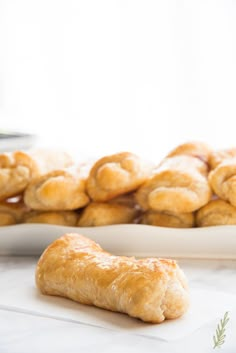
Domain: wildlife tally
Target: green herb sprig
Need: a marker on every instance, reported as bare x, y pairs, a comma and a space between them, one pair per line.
219, 337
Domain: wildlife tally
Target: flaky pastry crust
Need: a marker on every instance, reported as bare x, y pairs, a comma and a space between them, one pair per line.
57, 191
115, 175
118, 211
77, 268
178, 185
194, 149
217, 157
216, 212
222, 179
18, 168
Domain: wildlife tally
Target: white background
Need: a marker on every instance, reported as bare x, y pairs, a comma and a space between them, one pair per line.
105, 76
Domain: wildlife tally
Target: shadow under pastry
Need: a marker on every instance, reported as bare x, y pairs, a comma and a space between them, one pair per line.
63, 218
167, 219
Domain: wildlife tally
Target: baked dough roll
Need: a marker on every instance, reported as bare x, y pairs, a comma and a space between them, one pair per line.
178, 185
77, 268
59, 190
115, 175
218, 157
167, 219
216, 212
18, 168
66, 218
121, 210
12, 212
222, 179
194, 149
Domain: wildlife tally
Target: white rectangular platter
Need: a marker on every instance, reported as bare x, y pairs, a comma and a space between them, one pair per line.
131, 240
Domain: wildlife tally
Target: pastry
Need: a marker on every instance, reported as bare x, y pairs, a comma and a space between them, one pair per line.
199, 150
63, 218
117, 211
58, 190
115, 175
12, 211
222, 179
167, 219
18, 168
218, 157
77, 268
216, 212
178, 185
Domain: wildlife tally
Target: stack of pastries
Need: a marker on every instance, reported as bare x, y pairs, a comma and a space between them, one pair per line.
193, 186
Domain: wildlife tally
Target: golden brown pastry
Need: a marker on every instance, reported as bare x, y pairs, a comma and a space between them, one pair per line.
18, 168
194, 149
12, 212
167, 219
115, 175
77, 268
121, 210
218, 157
178, 185
63, 218
222, 179
58, 190
216, 212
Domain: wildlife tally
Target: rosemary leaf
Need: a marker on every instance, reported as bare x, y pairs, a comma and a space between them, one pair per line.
219, 337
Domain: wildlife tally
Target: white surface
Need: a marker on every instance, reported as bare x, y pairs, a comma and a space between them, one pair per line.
109, 75
32, 332
205, 307
131, 240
